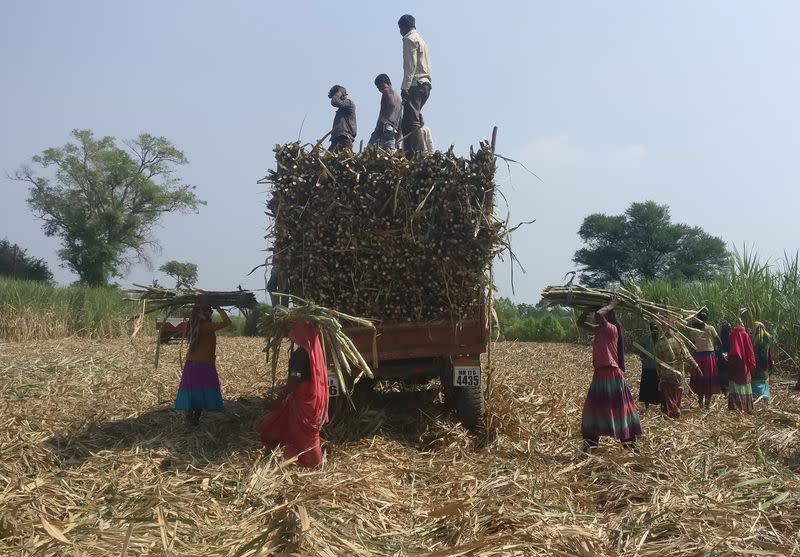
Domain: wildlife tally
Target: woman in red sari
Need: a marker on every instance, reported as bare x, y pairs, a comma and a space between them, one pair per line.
295, 424
741, 363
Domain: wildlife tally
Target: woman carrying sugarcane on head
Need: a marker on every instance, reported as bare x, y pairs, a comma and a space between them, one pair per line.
648, 386
705, 377
609, 408
303, 406
741, 363
199, 389
765, 361
722, 355
673, 360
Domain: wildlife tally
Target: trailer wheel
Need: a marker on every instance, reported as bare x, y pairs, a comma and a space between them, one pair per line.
470, 405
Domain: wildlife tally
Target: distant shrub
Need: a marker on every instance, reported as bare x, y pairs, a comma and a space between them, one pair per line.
549, 329
254, 317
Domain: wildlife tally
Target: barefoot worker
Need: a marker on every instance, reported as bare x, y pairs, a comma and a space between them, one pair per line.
705, 377
765, 361
673, 361
722, 356
303, 407
741, 362
648, 386
609, 408
199, 389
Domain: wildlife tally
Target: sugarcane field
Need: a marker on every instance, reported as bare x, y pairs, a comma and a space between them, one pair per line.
549, 305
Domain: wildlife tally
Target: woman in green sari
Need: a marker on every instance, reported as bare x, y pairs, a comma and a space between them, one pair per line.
762, 346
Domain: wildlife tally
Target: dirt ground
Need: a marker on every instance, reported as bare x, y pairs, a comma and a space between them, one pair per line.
93, 461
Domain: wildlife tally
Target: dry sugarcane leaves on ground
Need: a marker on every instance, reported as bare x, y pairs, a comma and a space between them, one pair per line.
378, 235
93, 460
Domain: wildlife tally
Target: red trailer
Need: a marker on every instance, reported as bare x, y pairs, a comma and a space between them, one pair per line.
419, 351
174, 327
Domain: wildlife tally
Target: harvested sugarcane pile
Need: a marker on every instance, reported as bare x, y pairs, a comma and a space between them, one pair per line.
155, 299
583, 298
375, 234
340, 350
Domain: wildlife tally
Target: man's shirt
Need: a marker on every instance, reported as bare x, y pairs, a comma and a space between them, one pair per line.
416, 60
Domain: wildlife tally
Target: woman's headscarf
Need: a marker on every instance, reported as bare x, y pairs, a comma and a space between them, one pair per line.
762, 341
742, 347
314, 407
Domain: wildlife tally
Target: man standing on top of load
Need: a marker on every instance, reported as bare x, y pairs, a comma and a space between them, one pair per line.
389, 117
344, 123
416, 86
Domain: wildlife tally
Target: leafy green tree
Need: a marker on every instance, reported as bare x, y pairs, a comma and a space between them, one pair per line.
527, 310
15, 262
549, 329
507, 314
644, 243
184, 274
104, 201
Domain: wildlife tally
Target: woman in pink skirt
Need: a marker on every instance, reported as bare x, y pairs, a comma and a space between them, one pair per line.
609, 409
705, 378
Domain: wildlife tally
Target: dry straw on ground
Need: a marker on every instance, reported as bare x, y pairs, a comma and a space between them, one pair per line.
94, 462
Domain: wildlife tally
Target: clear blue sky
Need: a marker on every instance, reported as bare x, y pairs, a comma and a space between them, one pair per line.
693, 104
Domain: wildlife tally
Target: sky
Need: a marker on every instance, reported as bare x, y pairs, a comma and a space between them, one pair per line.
691, 104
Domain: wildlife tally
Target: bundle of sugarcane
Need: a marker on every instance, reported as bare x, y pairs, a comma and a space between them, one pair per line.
155, 299
376, 234
584, 298
339, 348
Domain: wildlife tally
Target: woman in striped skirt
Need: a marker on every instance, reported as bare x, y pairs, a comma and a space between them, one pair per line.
609, 408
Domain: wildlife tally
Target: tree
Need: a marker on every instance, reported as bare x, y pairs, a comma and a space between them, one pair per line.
16, 263
185, 274
104, 201
644, 243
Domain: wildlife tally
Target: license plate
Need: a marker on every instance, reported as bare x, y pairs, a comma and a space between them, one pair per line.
467, 376
333, 386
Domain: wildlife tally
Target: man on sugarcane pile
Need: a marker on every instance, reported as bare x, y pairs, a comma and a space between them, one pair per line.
416, 86
344, 122
386, 129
